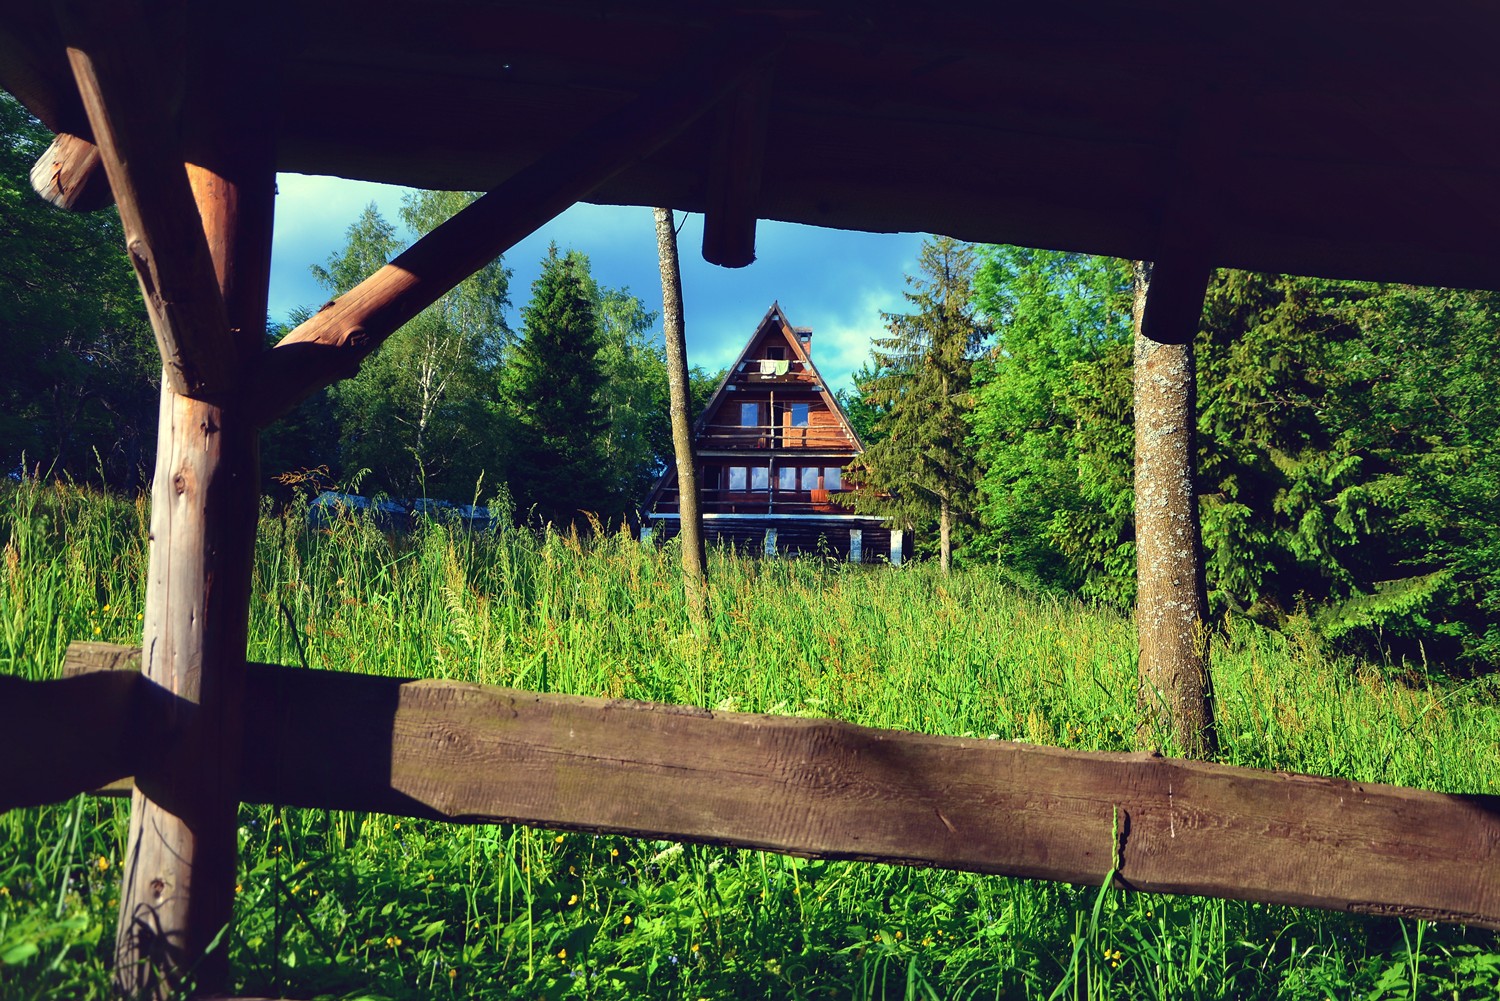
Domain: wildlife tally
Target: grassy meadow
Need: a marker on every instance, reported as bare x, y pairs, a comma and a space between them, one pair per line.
342, 905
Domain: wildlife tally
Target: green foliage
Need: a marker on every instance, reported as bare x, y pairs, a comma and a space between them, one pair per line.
78, 392
1346, 469
918, 467
422, 414
341, 905
554, 390
1052, 420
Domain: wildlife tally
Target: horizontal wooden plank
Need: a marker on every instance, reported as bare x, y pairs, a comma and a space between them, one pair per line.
469, 754
71, 735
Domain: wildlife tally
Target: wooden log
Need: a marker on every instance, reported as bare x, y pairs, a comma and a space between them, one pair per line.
119, 79
73, 735
472, 754
70, 175
177, 893
331, 344
734, 174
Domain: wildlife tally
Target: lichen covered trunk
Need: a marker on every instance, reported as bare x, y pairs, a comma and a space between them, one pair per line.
694, 563
1175, 697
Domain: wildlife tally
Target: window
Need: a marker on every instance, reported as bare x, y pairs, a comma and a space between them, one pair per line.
760, 478
749, 415
799, 415
710, 477
809, 477
831, 478
787, 479
737, 479
776, 354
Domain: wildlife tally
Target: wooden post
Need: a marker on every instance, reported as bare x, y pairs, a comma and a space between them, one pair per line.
770, 542
898, 543
734, 174
177, 895
856, 546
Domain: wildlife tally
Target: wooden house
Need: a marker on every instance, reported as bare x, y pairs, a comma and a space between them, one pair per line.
772, 445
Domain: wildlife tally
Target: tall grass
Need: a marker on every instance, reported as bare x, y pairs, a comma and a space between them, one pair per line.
354, 905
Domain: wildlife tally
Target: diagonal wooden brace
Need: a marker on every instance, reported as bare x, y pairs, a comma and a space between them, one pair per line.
119, 80
330, 345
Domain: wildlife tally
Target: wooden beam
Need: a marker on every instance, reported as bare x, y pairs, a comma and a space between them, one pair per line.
177, 888
330, 345
735, 172
472, 754
70, 175
73, 735
1173, 310
119, 78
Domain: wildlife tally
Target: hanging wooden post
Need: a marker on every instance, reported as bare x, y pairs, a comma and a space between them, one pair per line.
206, 285
734, 174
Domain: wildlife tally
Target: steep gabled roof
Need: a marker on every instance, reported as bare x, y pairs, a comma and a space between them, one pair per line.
773, 316
777, 315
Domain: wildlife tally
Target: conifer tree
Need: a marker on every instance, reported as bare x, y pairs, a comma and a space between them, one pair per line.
553, 392
921, 469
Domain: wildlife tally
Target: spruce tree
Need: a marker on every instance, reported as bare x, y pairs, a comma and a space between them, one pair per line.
553, 384
921, 469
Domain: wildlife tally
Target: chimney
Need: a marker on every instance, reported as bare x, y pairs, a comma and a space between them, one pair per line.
804, 337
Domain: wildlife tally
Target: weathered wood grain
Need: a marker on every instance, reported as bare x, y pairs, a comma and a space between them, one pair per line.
468, 754
120, 82
177, 890
331, 344
70, 175
75, 734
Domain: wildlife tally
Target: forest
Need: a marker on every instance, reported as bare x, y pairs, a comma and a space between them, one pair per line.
1348, 484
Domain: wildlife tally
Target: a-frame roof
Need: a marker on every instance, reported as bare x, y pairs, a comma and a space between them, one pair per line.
775, 319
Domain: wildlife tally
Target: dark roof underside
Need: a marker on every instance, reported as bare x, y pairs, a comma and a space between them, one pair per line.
1350, 142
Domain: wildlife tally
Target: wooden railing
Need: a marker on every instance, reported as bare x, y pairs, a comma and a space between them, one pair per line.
824, 436
475, 754
721, 501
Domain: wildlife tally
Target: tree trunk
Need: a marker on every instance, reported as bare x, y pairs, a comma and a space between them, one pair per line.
1175, 697
694, 562
945, 534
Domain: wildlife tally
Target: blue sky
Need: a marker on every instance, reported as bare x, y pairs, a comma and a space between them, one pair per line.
836, 282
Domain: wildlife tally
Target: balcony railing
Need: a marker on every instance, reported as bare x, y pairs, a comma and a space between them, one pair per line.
773, 370
723, 501
773, 436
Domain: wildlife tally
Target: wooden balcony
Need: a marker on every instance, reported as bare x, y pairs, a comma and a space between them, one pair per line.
825, 437
720, 501
772, 371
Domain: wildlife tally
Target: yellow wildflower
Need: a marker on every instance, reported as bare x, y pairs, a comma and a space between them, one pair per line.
559, 839
562, 954
103, 863
573, 900
627, 919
